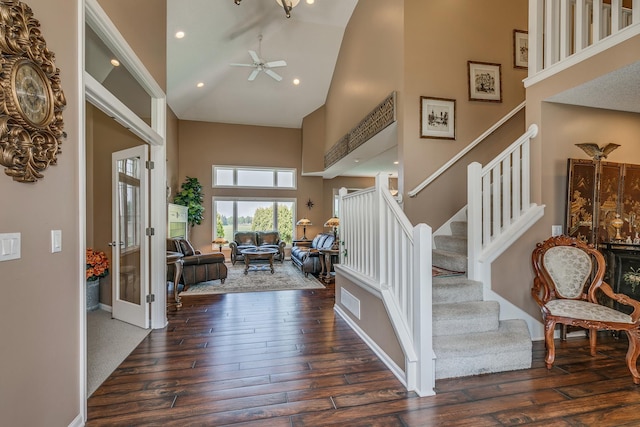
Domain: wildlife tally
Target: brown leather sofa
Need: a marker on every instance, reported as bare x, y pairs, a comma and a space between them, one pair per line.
197, 267
256, 239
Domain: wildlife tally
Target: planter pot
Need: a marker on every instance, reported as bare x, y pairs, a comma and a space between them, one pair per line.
93, 294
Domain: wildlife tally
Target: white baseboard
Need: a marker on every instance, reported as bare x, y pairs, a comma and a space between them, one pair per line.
106, 307
77, 421
384, 357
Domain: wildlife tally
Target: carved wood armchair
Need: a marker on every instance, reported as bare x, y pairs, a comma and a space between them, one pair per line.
563, 266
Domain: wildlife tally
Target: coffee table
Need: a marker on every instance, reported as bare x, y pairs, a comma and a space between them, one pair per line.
258, 254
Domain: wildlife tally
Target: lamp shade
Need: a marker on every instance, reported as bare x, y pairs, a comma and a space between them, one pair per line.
219, 241
304, 222
332, 222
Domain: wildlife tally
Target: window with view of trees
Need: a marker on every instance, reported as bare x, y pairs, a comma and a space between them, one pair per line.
243, 214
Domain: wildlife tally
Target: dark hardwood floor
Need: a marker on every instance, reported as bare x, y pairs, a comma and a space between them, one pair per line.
284, 358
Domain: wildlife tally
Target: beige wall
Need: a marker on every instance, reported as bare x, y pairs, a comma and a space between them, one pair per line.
313, 139
374, 320
369, 65
203, 145
440, 37
39, 308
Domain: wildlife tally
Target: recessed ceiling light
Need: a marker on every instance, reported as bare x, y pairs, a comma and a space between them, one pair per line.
310, 1
115, 62
357, 160
179, 34
396, 162
296, 82
200, 84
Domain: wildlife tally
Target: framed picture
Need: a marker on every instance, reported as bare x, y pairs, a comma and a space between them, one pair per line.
520, 49
437, 118
484, 82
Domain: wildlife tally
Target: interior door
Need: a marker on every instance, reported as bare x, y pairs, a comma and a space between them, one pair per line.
130, 245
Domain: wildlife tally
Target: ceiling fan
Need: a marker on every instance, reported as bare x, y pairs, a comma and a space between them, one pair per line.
260, 65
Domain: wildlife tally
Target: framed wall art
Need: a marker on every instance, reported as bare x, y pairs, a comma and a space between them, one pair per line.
437, 118
484, 81
520, 49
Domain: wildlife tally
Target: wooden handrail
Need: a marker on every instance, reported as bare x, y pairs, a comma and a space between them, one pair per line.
478, 140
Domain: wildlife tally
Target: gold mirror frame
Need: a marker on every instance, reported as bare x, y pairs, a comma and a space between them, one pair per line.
27, 148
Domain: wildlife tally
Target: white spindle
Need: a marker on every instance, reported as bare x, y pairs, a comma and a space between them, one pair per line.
565, 29
506, 192
616, 16
582, 25
516, 203
596, 25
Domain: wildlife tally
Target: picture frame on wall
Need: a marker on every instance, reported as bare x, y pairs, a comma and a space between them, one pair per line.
437, 118
520, 49
485, 81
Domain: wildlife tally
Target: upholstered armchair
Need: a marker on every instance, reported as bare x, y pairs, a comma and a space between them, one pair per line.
567, 285
197, 267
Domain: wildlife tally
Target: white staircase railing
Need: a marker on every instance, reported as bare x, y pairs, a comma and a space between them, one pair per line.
499, 205
383, 249
564, 32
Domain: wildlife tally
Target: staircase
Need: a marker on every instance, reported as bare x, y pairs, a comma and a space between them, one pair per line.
468, 336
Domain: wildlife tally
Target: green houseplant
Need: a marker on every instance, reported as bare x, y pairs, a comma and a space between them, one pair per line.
191, 196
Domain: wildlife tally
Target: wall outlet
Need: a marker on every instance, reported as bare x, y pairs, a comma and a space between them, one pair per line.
556, 230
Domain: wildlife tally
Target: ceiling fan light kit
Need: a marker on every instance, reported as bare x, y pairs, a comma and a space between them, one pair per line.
287, 5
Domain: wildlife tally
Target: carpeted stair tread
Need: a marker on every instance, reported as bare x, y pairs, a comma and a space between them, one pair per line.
505, 349
465, 317
459, 228
448, 290
457, 244
449, 260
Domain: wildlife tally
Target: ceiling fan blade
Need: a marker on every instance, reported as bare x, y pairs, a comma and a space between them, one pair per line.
242, 65
253, 75
273, 64
273, 74
254, 56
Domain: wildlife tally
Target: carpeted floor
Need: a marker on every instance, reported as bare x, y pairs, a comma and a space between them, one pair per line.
109, 342
285, 277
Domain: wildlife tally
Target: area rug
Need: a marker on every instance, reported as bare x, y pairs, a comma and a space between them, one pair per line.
442, 272
285, 277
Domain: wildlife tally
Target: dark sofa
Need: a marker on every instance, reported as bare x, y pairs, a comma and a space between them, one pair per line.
308, 258
197, 267
256, 239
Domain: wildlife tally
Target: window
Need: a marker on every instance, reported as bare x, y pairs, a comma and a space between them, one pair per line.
129, 193
253, 214
254, 177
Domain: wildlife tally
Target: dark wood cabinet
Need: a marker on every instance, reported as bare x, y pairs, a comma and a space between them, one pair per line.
597, 191
623, 270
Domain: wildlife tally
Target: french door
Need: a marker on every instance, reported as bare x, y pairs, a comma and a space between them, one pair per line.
130, 245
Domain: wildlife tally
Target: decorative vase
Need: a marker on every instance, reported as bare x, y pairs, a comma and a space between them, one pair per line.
93, 293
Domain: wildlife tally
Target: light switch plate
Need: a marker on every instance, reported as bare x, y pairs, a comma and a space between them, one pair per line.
56, 241
9, 246
556, 230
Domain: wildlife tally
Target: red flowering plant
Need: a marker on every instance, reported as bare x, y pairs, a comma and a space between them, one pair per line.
97, 264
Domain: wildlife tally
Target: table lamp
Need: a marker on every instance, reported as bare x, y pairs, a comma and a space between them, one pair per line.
220, 241
304, 222
334, 223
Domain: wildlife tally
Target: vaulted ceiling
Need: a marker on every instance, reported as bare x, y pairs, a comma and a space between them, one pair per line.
219, 32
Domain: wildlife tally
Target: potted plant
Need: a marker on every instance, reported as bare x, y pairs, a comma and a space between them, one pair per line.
97, 266
191, 196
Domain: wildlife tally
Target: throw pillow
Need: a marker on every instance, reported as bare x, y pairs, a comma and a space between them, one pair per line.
186, 248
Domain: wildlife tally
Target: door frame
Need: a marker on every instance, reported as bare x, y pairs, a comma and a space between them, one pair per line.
91, 13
